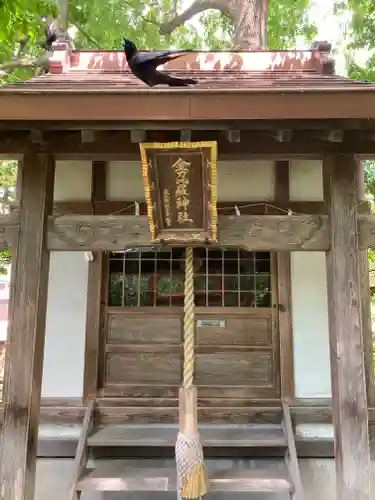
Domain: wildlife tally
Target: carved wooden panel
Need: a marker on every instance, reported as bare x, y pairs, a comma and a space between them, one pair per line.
257, 233
235, 330
253, 368
143, 368
252, 232
9, 230
144, 328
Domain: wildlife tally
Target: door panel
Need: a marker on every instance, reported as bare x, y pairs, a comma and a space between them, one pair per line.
233, 349
143, 368
244, 330
151, 328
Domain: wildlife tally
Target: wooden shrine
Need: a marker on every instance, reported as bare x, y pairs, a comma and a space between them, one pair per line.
334, 122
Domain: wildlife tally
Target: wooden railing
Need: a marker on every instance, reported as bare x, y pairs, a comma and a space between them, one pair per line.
291, 456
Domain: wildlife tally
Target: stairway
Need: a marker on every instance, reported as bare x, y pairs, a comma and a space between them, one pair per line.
120, 475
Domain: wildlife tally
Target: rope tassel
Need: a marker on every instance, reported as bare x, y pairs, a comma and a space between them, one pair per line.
191, 474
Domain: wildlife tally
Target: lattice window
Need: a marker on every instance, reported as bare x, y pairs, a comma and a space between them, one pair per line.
223, 278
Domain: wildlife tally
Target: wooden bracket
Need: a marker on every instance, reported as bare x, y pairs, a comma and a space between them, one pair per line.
137, 136
36, 136
283, 135
87, 136
233, 135
331, 135
185, 135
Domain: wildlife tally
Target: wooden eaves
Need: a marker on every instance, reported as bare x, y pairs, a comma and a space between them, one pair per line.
272, 85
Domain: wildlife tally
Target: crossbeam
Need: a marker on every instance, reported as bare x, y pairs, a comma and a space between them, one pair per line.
252, 232
256, 233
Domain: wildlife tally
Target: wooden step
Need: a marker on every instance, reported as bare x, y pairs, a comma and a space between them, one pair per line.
114, 475
163, 435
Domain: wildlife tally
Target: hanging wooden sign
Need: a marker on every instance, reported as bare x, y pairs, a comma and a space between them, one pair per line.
180, 187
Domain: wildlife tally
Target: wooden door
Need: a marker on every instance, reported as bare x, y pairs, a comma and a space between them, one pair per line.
236, 331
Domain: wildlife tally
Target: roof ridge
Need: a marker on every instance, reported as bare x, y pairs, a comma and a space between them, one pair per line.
65, 59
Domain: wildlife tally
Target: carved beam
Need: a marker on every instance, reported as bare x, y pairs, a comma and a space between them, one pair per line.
275, 232
266, 233
254, 232
9, 228
366, 230
97, 232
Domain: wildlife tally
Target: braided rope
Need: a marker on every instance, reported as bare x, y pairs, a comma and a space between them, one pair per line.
188, 320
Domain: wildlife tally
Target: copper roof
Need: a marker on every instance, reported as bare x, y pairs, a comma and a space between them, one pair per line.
88, 86
107, 71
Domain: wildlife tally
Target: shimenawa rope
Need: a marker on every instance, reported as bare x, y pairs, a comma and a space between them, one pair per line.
191, 474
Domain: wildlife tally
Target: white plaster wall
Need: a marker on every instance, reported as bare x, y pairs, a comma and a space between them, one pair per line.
66, 300
236, 181
306, 180
309, 296
243, 181
65, 327
73, 181
310, 325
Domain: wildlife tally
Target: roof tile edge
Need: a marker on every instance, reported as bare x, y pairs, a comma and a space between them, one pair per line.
317, 59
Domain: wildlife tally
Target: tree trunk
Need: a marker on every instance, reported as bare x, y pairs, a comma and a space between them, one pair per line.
63, 17
249, 18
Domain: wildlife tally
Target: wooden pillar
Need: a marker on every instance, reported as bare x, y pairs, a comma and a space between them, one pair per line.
349, 400
284, 281
364, 280
25, 346
94, 289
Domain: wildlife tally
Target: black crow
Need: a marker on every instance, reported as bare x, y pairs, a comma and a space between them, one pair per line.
144, 66
50, 35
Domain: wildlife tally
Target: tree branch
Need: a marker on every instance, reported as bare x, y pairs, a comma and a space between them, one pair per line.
197, 7
86, 35
39, 62
150, 21
22, 46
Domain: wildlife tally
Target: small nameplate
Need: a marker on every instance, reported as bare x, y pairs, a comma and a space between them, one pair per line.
213, 323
